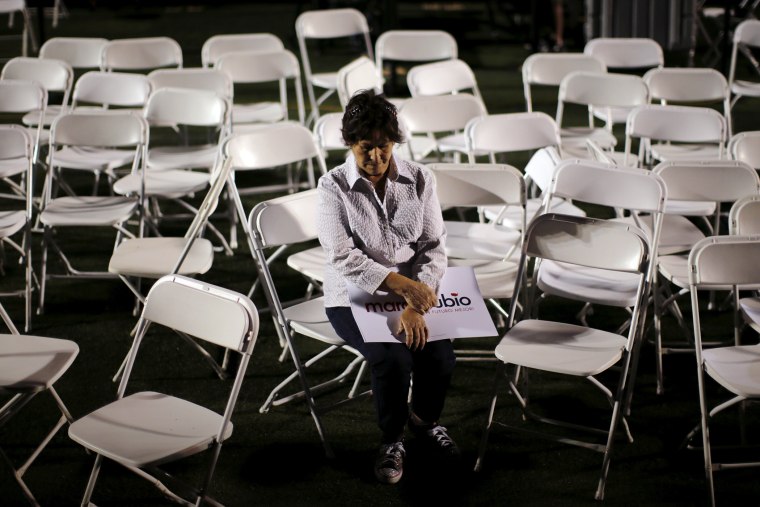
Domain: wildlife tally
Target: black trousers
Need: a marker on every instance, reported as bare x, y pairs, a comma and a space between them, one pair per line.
392, 366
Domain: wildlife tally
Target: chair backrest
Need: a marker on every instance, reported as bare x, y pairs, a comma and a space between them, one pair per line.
478, 184
285, 220
218, 45
53, 75
440, 78
747, 34
330, 24
745, 146
724, 261
119, 89
327, 131
415, 46
184, 106
79, 52
507, 132
195, 78
359, 74
626, 53
99, 129
21, 96
210, 313
248, 67
716, 181
141, 54
439, 113
18, 144
601, 90
549, 69
744, 217
272, 146
671, 84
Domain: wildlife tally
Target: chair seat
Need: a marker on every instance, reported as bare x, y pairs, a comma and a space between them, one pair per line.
683, 152
513, 217
93, 159
560, 347
148, 428
167, 158
309, 319
473, 240
678, 233
310, 263
328, 80
155, 257
746, 88
11, 222
32, 119
735, 368
263, 112
496, 279
33, 363
750, 307
690, 208
88, 210
176, 183
574, 136
675, 268
596, 286
13, 166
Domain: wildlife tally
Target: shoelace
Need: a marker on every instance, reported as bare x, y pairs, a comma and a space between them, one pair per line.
393, 454
440, 436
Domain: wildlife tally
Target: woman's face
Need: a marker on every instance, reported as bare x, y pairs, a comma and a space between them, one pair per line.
373, 156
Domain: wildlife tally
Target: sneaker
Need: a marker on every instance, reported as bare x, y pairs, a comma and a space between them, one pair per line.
437, 438
389, 464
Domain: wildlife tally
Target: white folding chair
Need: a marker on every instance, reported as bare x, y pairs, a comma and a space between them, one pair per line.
624, 54
18, 98
488, 248
440, 120
549, 69
568, 349
689, 86
596, 91
30, 365
717, 182
725, 263
140, 54
258, 68
82, 53
217, 45
442, 78
287, 221
55, 76
746, 37
745, 146
145, 430
321, 25
744, 220
17, 159
412, 47
519, 132
28, 37
97, 129
359, 74
684, 133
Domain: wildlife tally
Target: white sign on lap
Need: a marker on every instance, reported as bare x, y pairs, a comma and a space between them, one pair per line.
460, 311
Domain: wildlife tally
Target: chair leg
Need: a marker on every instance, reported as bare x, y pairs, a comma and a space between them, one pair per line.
24, 488
501, 370
91, 482
43, 270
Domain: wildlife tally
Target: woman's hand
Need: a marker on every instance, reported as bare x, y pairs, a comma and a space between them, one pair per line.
412, 324
416, 294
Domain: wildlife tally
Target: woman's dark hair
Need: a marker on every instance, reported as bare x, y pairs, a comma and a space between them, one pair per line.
368, 112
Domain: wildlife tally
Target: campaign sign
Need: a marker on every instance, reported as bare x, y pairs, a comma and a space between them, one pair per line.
460, 311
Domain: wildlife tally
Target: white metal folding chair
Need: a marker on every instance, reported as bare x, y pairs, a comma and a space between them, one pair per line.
82, 53
549, 69
258, 68
28, 37
596, 91
490, 249
325, 24
359, 74
690, 86
145, 430
140, 54
287, 221
30, 365
97, 129
519, 132
725, 263
744, 220
568, 349
17, 159
717, 182
441, 120
746, 37
55, 76
217, 45
442, 78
